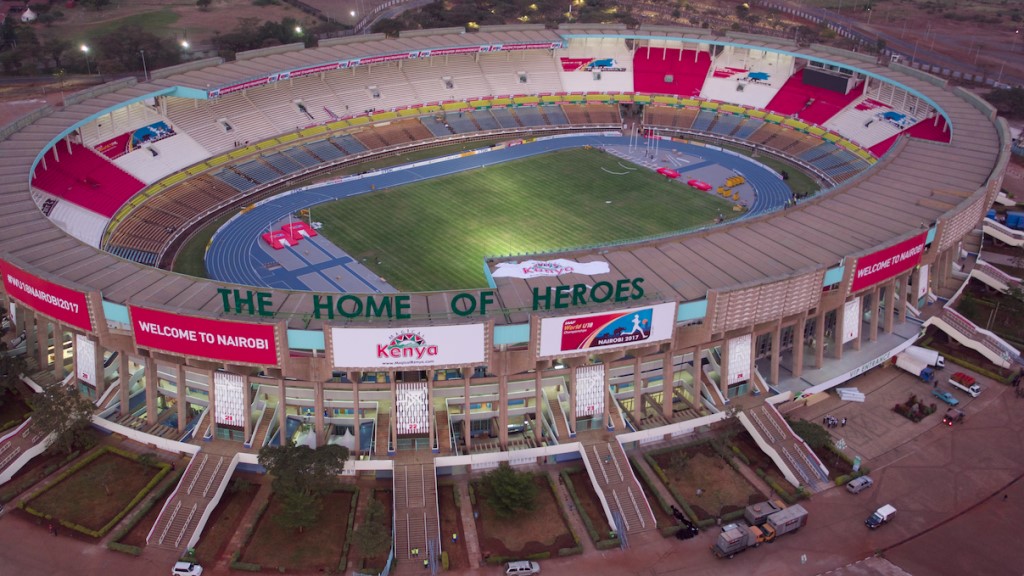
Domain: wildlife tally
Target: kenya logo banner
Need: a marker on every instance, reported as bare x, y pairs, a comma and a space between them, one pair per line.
408, 347
537, 268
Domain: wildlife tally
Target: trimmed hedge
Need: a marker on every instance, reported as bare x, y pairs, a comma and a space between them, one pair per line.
164, 470
983, 371
124, 548
444, 560
587, 521
739, 454
657, 496
562, 512
351, 520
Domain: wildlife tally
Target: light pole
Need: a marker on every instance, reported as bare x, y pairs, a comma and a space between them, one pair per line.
869, 15
1016, 34
85, 50
145, 71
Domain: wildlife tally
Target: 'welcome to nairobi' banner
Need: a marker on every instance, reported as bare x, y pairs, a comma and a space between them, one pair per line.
129, 141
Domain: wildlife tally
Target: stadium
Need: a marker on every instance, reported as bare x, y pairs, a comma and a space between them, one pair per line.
781, 300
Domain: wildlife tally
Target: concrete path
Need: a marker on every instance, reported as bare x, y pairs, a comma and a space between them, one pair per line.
468, 521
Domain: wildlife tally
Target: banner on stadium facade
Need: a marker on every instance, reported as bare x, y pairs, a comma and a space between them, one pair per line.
851, 320
538, 268
131, 141
409, 347
740, 349
450, 51
591, 64
228, 396
85, 359
589, 390
64, 305
888, 262
218, 340
562, 336
922, 281
412, 408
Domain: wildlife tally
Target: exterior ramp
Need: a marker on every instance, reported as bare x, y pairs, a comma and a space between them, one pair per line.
1002, 233
992, 347
796, 460
994, 277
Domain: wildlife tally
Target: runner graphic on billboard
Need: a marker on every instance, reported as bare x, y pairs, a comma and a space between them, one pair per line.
607, 329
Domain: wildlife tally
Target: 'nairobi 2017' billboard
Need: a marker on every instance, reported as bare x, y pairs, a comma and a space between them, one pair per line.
571, 335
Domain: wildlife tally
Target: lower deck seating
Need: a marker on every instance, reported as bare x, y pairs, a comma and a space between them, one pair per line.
82, 176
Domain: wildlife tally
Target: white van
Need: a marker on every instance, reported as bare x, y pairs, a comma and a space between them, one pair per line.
858, 485
522, 567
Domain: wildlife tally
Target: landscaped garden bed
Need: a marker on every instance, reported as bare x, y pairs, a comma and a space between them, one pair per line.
915, 409
131, 537
451, 523
704, 483
589, 504
321, 547
750, 454
376, 564
96, 492
543, 532
227, 517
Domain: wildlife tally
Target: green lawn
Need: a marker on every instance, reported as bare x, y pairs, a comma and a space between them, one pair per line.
435, 234
190, 258
155, 21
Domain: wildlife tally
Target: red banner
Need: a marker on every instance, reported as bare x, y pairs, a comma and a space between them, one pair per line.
244, 86
314, 70
221, 340
115, 147
67, 306
888, 262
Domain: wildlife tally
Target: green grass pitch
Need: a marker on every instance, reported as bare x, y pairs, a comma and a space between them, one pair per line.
434, 235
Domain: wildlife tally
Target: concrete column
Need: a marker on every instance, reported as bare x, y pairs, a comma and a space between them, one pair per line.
27, 324
698, 378
393, 432
124, 377
723, 375
798, 346
875, 312
182, 399
213, 404
58, 351
668, 378
773, 377
667, 397
571, 416
837, 332
538, 413
904, 300
466, 373
151, 392
860, 323
42, 340
890, 303
246, 410
819, 340
432, 422
914, 287
356, 412
503, 407
638, 412
318, 411
607, 394
282, 413
97, 367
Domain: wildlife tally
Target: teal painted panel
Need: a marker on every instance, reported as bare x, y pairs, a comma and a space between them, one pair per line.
306, 340
834, 276
692, 311
515, 334
931, 235
115, 312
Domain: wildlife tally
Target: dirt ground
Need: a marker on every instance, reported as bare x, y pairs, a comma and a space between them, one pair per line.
542, 529
723, 490
451, 523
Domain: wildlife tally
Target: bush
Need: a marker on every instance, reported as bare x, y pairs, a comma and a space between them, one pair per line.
124, 549
576, 501
739, 454
351, 520
562, 552
444, 560
246, 566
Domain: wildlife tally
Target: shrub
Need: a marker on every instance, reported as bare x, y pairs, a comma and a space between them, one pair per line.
739, 454
124, 549
444, 560
145, 508
569, 551
246, 566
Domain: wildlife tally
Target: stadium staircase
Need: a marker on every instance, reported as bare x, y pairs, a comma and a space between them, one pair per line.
992, 347
266, 421
795, 459
1003, 233
416, 517
561, 428
613, 476
196, 491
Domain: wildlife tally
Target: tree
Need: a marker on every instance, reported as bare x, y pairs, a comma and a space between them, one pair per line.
1008, 101
302, 476
509, 491
60, 410
120, 50
203, 5
811, 432
55, 49
372, 536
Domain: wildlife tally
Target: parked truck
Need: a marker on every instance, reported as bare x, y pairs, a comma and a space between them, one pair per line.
966, 383
931, 357
880, 516
915, 366
737, 537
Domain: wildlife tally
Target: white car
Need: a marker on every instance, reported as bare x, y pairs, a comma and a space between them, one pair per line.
186, 569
